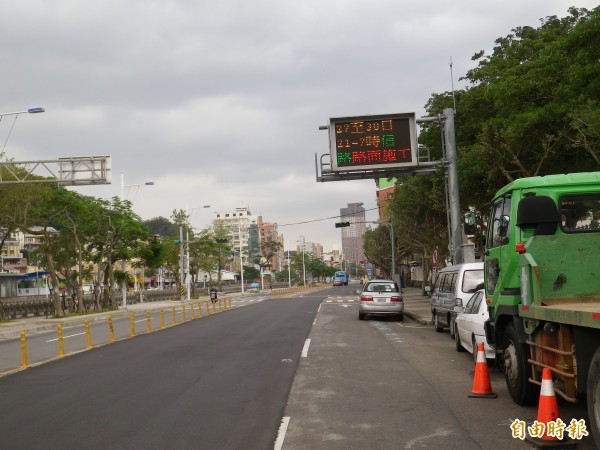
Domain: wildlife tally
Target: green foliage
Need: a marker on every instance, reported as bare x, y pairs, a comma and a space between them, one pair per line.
251, 274
531, 93
162, 227
532, 108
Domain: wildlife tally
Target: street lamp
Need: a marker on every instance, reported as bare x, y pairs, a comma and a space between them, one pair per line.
123, 186
289, 268
29, 111
241, 255
303, 263
187, 251
16, 114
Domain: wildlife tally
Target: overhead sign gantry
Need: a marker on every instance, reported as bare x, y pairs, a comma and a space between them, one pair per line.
69, 171
372, 146
385, 146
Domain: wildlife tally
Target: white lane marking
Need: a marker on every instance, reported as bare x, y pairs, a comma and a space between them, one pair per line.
281, 433
305, 348
65, 337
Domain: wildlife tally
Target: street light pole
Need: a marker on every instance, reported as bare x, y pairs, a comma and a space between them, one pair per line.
188, 278
241, 257
29, 111
181, 262
303, 263
289, 268
123, 186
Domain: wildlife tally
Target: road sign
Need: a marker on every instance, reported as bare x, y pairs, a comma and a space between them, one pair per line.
373, 142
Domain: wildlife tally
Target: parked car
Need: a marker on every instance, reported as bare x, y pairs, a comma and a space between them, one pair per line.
468, 326
453, 287
381, 298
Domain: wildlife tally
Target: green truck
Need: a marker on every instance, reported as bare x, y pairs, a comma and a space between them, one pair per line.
542, 284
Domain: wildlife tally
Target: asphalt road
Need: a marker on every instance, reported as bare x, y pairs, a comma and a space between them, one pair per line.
303, 373
382, 384
220, 382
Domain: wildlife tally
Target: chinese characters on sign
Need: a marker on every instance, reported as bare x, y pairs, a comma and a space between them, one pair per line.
556, 428
373, 142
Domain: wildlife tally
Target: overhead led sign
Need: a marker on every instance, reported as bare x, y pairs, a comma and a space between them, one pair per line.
373, 142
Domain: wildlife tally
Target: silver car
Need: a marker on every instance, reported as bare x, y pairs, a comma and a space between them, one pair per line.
382, 298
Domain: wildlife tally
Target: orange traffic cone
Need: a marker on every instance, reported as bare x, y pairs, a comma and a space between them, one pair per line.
482, 387
548, 412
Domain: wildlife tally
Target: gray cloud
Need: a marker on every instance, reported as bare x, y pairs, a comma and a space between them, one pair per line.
219, 102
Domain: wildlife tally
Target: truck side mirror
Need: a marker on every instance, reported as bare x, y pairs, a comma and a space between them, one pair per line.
538, 212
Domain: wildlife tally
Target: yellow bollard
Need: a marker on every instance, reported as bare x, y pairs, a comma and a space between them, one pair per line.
131, 325
88, 336
193, 313
221, 305
230, 307
207, 309
162, 319
183, 318
23, 350
214, 308
61, 342
149, 325
111, 329
174, 320
200, 309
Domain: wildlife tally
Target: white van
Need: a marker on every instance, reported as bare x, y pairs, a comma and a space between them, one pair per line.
454, 286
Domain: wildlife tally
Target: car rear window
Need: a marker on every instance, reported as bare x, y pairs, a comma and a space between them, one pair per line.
472, 280
381, 287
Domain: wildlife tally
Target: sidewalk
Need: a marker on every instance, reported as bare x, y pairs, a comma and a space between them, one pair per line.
416, 306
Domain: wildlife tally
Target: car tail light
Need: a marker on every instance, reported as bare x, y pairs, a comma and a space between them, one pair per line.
366, 298
396, 299
458, 301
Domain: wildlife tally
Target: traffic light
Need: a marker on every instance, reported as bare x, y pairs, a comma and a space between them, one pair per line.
177, 242
342, 224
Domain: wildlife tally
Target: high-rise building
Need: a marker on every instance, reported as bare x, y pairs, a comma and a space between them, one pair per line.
268, 233
352, 236
239, 226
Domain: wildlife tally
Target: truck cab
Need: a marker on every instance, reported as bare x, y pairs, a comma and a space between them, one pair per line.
542, 285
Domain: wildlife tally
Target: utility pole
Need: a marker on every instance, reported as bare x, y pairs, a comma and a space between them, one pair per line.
455, 220
181, 263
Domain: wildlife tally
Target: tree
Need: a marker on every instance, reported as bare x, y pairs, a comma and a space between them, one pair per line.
377, 247
268, 250
161, 226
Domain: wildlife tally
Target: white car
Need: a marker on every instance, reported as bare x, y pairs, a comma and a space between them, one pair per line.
468, 326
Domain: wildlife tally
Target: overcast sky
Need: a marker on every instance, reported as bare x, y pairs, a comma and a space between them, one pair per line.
218, 102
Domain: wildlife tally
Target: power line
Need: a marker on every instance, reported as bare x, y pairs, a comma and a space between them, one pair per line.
321, 220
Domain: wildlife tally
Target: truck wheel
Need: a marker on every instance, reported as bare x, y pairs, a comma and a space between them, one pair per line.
452, 327
436, 323
593, 396
516, 368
